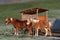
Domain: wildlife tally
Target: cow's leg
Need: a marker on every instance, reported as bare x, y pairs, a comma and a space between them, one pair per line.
49, 31
46, 31
49, 28
15, 31
29, 31
36, 31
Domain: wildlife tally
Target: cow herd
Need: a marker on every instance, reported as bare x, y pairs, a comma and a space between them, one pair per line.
44, 26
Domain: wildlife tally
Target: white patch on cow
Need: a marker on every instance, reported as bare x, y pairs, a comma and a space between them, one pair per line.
34, 20
11, 19
27, 23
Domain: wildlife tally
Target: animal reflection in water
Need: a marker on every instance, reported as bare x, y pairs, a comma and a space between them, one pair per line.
18, 24
42, 25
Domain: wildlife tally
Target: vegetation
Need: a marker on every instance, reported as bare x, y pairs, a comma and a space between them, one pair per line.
11, 10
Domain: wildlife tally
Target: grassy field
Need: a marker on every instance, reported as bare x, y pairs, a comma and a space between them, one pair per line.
11, 10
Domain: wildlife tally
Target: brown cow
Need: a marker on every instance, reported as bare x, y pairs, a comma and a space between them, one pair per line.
18, 24
42, 25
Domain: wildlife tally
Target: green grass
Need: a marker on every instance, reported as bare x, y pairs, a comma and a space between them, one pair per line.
11, 10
